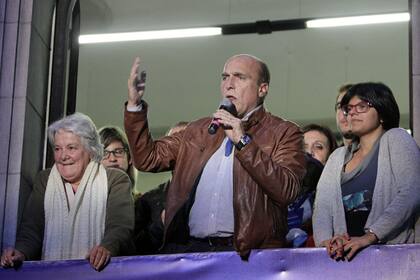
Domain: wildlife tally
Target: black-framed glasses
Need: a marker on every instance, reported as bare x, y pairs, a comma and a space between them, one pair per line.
118, 153
361, 107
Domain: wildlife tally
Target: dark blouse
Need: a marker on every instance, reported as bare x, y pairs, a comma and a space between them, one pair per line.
357, 189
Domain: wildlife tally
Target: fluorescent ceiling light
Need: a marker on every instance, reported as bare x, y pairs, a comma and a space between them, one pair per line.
358, 20
149, 35
265, 26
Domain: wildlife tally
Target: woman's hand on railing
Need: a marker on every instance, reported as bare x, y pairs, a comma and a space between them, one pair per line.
11, 257
99, 257
355, 244
335, 246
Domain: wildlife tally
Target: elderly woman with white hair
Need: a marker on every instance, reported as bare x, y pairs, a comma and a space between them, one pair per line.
77, 209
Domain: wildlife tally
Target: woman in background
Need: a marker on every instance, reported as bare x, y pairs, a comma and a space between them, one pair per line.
319, 142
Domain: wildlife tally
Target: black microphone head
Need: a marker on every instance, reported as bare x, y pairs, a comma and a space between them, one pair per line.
227, 105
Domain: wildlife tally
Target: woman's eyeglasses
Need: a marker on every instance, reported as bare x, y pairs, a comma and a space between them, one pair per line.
361, 107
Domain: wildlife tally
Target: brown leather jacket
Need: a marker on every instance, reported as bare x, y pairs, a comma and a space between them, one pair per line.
267, 174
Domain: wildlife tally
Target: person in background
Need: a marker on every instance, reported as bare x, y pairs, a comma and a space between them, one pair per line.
117, 152
343, 126
78, 209
150, 212
230, 189
319, 141
369, 192
299, 217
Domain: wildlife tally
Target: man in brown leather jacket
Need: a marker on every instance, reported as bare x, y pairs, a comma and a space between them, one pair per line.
229, 190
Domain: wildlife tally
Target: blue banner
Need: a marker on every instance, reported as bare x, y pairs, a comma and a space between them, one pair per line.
375, 262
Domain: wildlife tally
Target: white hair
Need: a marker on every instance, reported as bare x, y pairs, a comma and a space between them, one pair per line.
82, 126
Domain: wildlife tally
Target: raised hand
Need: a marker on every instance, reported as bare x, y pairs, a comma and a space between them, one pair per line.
136, 85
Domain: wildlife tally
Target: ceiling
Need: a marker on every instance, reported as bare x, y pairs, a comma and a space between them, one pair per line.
307, 66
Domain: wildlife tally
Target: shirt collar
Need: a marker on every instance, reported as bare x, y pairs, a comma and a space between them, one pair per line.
246, 117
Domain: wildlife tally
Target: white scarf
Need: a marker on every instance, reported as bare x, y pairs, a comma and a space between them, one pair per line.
71, 230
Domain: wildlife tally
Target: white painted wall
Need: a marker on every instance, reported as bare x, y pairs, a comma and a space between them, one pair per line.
307, 66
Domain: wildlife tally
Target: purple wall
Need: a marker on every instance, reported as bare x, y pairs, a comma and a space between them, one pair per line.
376, 262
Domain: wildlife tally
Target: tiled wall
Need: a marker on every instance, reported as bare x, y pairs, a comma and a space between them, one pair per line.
415, 67
25, 27
36, 94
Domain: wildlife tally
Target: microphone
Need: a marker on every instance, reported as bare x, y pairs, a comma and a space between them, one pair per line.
227, 105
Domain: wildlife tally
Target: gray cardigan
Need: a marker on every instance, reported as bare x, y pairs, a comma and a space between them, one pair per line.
396, 197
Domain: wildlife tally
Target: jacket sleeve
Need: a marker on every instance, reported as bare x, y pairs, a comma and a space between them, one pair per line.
404, 157
322, 219
280, 172
119, 221
30, 234
149, 155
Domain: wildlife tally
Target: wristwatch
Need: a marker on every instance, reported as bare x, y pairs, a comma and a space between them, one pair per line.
245, 140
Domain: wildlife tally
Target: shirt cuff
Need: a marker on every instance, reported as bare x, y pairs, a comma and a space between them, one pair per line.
136, 108
369, 230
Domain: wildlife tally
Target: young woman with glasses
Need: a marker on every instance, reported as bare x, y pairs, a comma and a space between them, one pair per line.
369, 192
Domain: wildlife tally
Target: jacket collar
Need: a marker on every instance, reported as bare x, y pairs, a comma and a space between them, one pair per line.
254, 118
